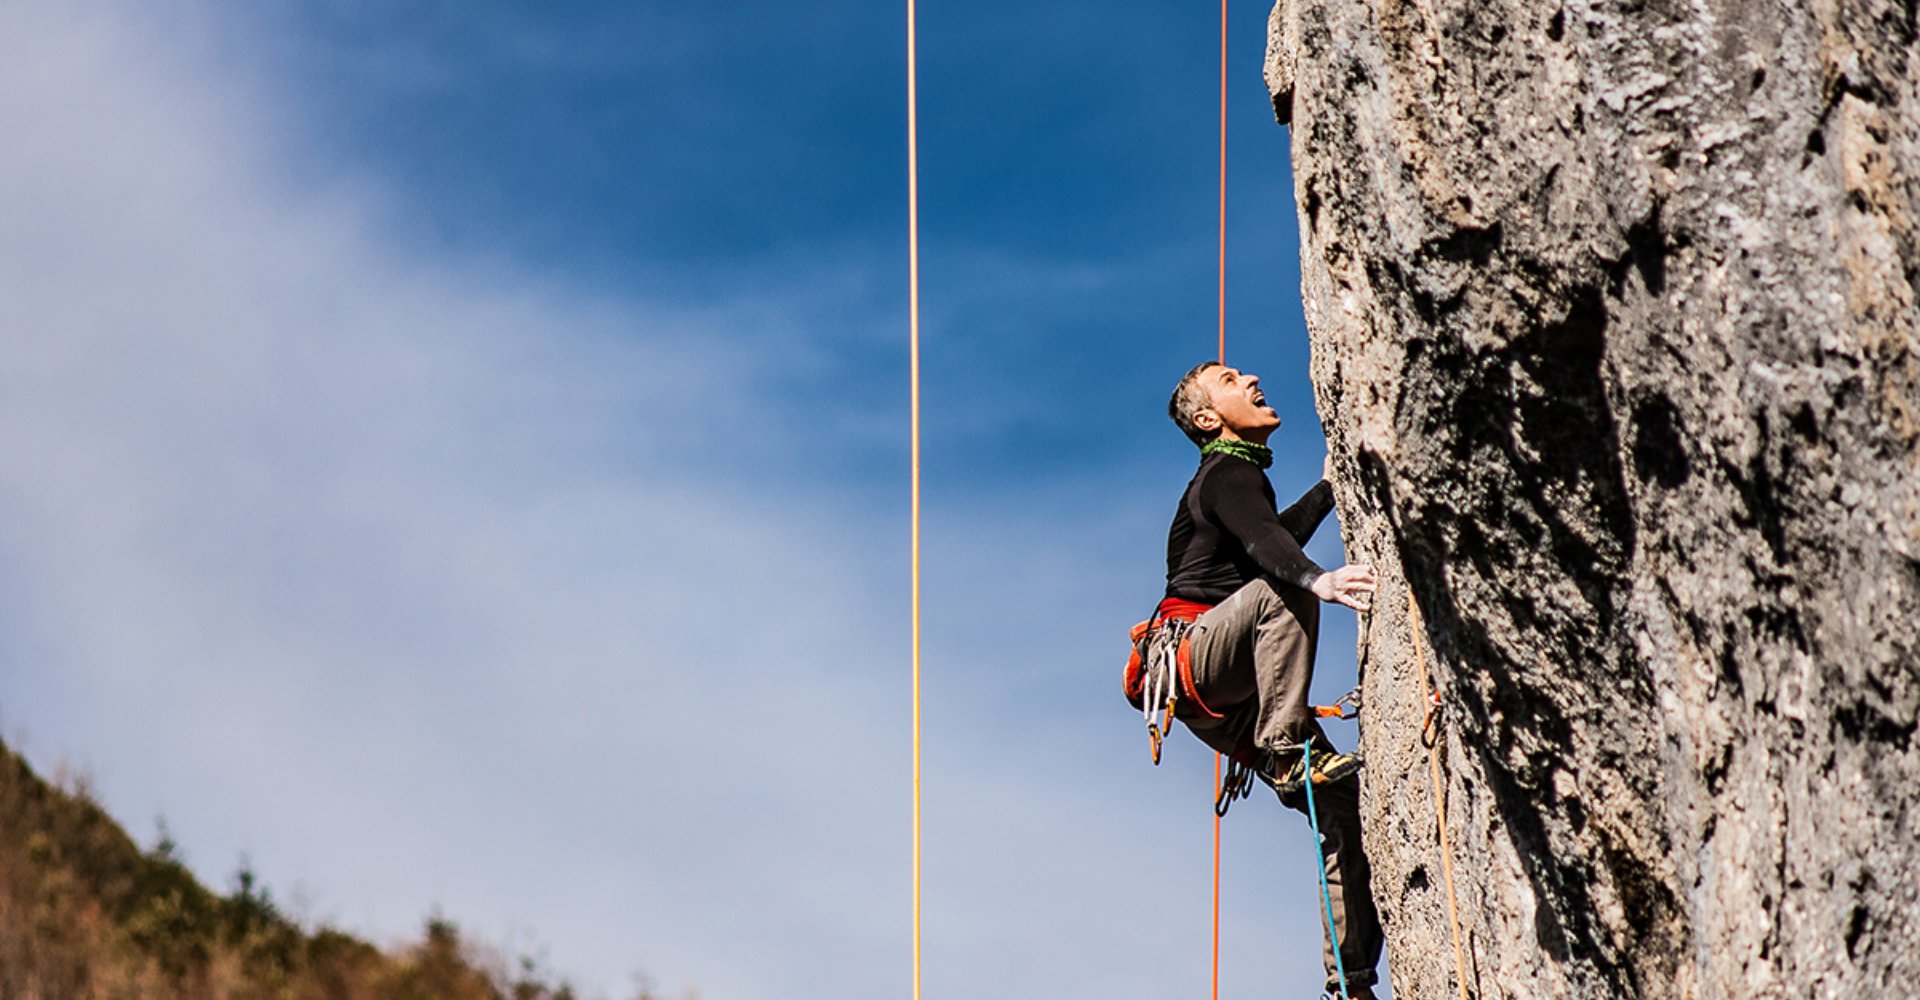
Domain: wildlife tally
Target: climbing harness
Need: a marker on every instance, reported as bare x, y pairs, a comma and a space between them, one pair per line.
1430, 738
1160, 671
1153, 675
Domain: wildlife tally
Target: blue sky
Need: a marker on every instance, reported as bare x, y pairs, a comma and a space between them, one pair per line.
456, 457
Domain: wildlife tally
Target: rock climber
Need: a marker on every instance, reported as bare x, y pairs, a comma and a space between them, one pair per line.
1242, 608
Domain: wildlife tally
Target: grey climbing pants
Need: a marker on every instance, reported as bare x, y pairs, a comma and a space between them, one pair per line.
1251, 658
1252, 661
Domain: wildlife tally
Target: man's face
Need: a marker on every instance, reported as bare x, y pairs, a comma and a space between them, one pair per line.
1240, 405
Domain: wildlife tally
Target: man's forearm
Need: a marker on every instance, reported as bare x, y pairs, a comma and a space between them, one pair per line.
1307, 513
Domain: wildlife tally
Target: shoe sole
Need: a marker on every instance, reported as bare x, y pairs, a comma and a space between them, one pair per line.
1346, 769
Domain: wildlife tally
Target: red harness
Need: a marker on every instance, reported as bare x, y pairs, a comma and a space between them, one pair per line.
1134, 680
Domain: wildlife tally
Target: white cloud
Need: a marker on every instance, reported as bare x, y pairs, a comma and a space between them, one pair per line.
407, 578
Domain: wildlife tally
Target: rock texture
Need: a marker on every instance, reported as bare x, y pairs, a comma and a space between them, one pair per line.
1613, 308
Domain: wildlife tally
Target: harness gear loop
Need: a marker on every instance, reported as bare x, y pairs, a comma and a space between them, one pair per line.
1159, 674
1158, 651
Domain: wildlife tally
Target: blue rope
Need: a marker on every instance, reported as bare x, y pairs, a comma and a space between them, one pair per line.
1326, 895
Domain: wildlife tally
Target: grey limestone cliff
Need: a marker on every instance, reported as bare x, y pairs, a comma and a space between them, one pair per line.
1613, 310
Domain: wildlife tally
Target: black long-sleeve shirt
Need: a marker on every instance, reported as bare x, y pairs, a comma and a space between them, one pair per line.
1229, 530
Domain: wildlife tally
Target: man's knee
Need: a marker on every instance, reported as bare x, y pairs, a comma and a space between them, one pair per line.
1262, 598
1297, 605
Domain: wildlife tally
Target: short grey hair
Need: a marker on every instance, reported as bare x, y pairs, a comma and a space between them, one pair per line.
1187, 402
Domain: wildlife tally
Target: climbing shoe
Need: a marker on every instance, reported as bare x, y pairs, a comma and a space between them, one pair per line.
1327, 768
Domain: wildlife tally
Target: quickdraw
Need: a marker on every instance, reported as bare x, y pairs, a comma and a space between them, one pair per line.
1429, 732
1237, 784
1157, 658
1347, 706
1430, 738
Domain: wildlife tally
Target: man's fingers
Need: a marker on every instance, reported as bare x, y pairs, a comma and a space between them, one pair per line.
1350, 586
1357, 578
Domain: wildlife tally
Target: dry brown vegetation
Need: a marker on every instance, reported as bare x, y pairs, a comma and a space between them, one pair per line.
86, 914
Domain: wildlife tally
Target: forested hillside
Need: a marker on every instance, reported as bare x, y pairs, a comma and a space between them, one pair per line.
87, 914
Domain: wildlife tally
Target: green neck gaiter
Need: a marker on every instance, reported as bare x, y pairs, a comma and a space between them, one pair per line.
1258, 454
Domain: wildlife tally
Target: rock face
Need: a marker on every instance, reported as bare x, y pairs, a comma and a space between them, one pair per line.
1613, 308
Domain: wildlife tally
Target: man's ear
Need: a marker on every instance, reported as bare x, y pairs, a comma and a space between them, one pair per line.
1207, 420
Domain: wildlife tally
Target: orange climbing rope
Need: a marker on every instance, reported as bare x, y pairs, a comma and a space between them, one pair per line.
1216, 880
913, 375
1432, 699
1223, 360
1223, 181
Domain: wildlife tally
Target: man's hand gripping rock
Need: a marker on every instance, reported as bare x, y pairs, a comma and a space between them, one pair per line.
1348, 585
